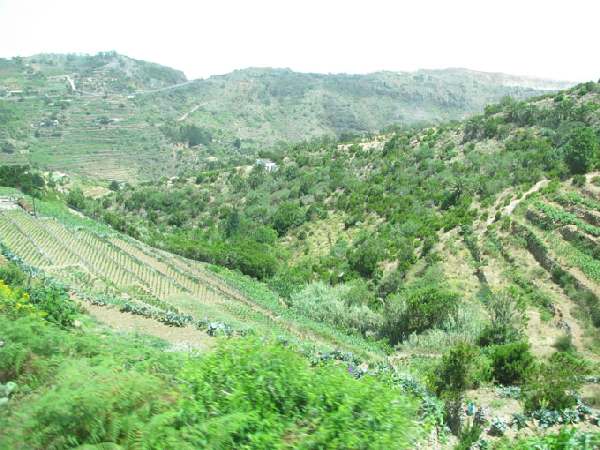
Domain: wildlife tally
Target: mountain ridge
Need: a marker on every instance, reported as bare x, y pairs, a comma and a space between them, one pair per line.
142, 120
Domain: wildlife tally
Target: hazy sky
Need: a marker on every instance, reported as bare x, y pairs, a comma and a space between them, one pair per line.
546, 38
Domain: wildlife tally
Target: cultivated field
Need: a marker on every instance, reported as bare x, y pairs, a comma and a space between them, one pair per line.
116, 271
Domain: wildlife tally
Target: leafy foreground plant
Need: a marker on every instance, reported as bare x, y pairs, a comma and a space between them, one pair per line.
80, 387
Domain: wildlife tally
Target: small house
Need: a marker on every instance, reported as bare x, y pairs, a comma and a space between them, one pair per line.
269, 165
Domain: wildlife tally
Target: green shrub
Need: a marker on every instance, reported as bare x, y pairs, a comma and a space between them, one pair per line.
251, 394
335, 305
582, 150
568, 438
551, 385
461, 368
578, 180
564, 343
468, 437
458, 370
506, 322
417, 308
288, 215
55, 303
12, 275
511, 363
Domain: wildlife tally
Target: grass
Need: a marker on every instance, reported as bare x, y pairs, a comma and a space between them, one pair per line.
89, 387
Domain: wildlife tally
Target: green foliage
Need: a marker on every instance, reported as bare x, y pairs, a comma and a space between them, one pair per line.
458, 370
54, 301
582, 150
287, 216
86, 388
194, 135
578, 180
23, 178
417, 308
468, 436
92, 404
511, 363
274, 399
76, 199
338, 306
365, 257
568, 438
506, 323
551, 385
564, 343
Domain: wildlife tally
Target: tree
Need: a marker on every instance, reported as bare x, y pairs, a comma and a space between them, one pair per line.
194, 135
76, 199
232, 223
416, 309
582, 150
288, 215
366, 256
453, 376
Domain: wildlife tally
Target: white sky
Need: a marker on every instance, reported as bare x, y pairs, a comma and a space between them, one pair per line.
545, 38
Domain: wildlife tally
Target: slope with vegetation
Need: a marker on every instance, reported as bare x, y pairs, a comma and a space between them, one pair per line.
67, 382
112, 117
449, 271
421, 238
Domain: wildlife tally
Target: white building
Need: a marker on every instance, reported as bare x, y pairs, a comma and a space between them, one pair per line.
269, 165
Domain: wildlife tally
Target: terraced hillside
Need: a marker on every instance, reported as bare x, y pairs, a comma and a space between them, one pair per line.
111, 117
109, 269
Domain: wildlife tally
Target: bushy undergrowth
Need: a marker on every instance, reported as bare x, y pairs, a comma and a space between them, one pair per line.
511, 363
553, 384
78, 387
263, 396
335, 305
566, 439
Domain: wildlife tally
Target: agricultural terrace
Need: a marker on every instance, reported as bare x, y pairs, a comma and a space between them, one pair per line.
107, 268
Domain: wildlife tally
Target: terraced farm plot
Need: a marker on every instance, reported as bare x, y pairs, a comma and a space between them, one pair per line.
110, 265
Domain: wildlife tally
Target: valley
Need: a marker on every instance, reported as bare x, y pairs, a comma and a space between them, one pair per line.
272, 259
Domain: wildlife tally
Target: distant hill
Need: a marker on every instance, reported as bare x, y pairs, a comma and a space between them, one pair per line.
113, 117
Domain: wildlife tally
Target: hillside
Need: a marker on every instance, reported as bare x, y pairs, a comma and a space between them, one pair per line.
417, 288
475, 239
111, 117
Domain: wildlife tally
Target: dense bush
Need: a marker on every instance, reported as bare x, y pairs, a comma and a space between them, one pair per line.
461, 368
76, 199
273, 397
287, 216
338, 306
582, 150
417, 308
552, 384
511, 363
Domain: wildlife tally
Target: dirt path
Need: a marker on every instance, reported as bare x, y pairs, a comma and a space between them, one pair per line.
187, 338
508, 209
191, 111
